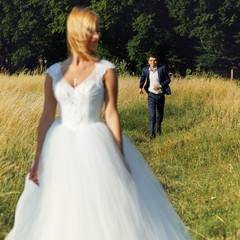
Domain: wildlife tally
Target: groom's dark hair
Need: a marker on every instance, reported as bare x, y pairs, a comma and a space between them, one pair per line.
153, 56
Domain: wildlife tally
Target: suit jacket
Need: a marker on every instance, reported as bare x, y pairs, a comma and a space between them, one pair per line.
164, 79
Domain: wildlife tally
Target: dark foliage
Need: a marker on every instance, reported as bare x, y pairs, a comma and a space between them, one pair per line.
198, 35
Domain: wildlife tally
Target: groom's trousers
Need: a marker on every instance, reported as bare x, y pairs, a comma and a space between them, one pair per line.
155, 104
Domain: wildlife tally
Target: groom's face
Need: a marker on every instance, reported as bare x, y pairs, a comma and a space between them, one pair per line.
152, 62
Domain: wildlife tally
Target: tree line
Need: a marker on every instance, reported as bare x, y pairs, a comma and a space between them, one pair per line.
197, 35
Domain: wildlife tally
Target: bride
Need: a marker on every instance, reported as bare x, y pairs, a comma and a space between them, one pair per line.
88, 182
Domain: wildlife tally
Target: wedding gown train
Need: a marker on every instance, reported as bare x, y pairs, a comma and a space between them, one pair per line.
85, 191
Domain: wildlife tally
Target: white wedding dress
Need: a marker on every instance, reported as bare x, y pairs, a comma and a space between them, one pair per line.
85, 191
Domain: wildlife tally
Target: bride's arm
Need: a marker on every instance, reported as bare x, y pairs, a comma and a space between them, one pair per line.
47, 117
111, 113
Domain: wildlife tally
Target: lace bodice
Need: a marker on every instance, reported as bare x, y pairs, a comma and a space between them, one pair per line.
82, 104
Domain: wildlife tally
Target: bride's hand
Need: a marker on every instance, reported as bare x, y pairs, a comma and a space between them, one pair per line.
34, 174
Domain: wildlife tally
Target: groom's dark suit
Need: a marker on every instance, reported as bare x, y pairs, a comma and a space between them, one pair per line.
164, 79
156, 101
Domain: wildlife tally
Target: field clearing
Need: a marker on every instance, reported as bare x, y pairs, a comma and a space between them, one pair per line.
196, 158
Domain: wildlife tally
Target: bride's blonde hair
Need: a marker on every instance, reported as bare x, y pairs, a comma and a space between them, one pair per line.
81, 23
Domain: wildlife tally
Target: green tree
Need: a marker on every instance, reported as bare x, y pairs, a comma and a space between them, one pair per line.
115, 27
152, 33
33, 31
131, 30
213, 24
7, 17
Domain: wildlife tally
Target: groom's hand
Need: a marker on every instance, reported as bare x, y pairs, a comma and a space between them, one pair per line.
140, 91
157, 87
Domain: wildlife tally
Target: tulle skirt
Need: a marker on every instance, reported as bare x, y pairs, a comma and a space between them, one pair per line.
86, 193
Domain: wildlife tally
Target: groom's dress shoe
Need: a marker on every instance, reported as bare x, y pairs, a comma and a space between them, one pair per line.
159, 131
152, 136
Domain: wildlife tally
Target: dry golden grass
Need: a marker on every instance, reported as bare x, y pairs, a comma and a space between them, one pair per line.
196, 158
21, 102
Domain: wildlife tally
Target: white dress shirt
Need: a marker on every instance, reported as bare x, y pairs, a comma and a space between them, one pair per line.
154, 80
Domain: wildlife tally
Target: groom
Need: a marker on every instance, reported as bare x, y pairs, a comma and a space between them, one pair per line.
156, 86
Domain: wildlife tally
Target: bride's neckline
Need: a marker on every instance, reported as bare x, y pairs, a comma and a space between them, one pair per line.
82, 81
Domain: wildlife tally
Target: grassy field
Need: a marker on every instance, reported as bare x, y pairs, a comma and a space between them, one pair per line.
196, 158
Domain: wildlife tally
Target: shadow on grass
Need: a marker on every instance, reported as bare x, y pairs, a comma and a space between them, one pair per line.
135, 119
3, 231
